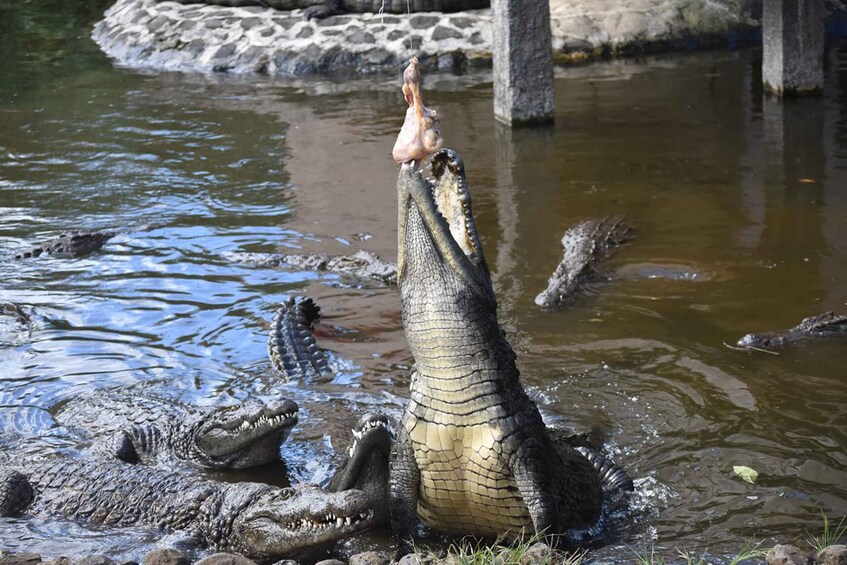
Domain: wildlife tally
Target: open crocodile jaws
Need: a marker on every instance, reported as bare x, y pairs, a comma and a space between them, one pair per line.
259, 521
472, 454
139, 427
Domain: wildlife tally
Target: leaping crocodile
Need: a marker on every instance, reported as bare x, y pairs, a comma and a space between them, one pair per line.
259, 521
140, 427
326, 8
366, 467
826, 325
472, 455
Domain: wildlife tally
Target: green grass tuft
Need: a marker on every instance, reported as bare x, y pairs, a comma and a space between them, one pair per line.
472, 552
829, 536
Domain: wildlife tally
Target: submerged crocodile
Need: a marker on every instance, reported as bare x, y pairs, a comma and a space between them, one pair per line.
73, 243
363, 264
585, 245
472, 455
326, 8
138, 427
17, 312
826, 325
259, 521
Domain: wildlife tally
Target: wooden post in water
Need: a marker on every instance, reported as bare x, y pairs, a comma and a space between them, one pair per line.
792, 38
523, 62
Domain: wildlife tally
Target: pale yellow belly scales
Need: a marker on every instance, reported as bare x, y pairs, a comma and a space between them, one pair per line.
465, 485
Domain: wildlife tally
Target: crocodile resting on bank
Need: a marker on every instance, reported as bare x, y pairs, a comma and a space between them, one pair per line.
326, 8
826, 325
259, 521
138, 427
584, 246
472, 455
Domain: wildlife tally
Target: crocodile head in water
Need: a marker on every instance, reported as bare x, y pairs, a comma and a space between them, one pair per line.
269, 522
437, 234
241, 436
366, 465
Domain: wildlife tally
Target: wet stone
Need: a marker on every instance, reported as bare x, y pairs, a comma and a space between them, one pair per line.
187, 25
250, 23
231, 21
461, 22
787, 555
369, 558
378, 57
330, 562
224, 559
538, 553
286, 22
254, 9
60, 561
96, 560
21, 559
331, 32
395, 35
305, 32
833, 555
361, 36
213, 23
331, 21
389, 20
165, 556
444, 32
424, 22
195, 47
268, 31
225, 51
476, 39
157, 22
140, 17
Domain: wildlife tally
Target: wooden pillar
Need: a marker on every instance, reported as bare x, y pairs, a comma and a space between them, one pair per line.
523, 62
793, 37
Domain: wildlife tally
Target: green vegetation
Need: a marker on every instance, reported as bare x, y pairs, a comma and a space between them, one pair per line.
648, 555
477, 553
829, 536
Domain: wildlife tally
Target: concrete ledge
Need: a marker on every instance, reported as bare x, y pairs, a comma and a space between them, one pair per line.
197, 37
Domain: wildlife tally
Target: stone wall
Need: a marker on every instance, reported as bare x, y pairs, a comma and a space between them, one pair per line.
168, 35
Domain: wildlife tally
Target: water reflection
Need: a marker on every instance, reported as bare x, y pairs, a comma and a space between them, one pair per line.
732, 238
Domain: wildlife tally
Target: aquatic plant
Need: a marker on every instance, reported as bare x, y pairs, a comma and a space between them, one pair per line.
829, 536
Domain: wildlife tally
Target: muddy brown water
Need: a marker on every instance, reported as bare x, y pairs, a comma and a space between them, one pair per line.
739, 201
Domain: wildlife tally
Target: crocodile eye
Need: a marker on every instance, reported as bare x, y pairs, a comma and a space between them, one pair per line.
286, 493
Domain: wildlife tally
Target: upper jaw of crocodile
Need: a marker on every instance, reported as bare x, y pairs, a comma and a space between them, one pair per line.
444, 206
296, 520
236, 437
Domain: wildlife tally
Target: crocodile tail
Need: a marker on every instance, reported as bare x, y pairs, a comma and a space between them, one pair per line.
291, 343
612, 477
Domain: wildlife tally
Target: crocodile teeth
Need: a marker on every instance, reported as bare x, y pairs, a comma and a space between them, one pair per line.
348, 520
339, 522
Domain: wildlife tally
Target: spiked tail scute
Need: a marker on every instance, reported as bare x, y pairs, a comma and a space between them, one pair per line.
15, 493
291, 344
612, 477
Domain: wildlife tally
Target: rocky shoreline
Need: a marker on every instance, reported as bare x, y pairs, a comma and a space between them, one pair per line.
196, 37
